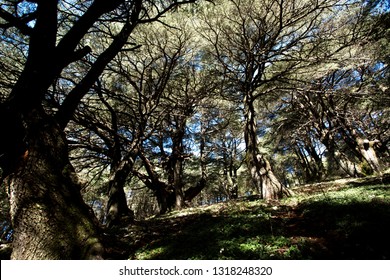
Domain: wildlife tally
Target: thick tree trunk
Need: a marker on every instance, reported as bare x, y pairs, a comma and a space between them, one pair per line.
315, 162
337, 160
265, 180
262, 176
166, 199
49, 216
233, 186
174, 164
164, 194
230, 178
332, 162
178, 184
366, 149
117, 207
349, 167
362, 148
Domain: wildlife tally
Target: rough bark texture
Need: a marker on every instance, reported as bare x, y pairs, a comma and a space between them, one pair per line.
366, 149
265, 180
117, 207
117, 203
49, 217
262, 176
164, 194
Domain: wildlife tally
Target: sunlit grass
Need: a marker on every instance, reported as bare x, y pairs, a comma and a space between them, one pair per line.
150, 253
341, 222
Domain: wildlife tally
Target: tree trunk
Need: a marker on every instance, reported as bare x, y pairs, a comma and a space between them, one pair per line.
49, 216
338, 160
366, 148
192, 192
166, 199
163, 192
315, 162
117, 207
363, 148
174, 165
310, 174
267, 183
230, 177
178, 184
332, 162
263, 179
349, 167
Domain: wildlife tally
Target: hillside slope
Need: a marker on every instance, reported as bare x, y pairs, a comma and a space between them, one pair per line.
333, 220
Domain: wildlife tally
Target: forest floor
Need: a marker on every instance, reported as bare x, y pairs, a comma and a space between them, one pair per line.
343, 219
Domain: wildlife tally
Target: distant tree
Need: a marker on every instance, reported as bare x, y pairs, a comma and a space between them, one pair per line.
344, 107
259, 49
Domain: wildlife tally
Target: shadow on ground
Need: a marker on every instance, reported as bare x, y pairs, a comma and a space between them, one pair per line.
329, 228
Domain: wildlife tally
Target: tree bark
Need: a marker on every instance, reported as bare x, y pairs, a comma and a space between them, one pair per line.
349, 167
49, 216
174, 163
117, 203
166, 198
192, 192
178, 184
262, 176
268, 184
366, 149
120, 169
362, 148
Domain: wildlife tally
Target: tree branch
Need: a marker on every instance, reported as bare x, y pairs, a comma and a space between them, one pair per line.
19, 23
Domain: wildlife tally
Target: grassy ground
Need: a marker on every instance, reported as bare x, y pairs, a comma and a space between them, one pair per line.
335, 220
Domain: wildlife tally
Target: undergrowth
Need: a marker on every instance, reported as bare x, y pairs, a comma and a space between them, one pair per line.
347, 221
